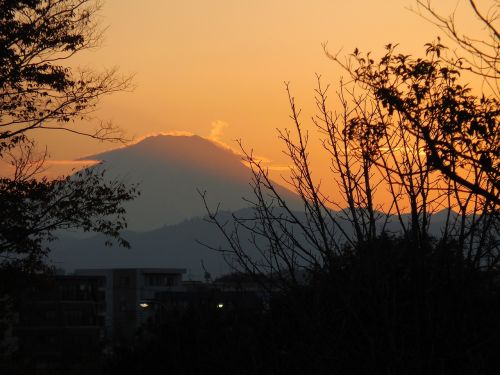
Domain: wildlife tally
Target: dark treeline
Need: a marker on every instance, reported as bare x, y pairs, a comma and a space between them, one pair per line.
377, 309
39, 91
366, 300
331, 301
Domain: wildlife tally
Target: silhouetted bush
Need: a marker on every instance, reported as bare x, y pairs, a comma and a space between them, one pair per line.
383, 307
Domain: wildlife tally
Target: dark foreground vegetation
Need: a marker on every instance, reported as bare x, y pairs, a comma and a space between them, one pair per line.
334, 301
381, 308
363, 301
39, 91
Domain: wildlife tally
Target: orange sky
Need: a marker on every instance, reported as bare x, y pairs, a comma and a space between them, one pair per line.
216, 68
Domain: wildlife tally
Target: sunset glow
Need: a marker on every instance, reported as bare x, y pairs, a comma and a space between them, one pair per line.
200, 63
260, 186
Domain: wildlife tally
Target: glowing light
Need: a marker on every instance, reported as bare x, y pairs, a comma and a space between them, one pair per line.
144, 305
220, 305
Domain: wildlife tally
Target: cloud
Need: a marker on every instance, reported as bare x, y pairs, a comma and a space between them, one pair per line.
281, 168
139, 139
51, 168
268, 164
74, 163
175, 133
60, 168
217, 130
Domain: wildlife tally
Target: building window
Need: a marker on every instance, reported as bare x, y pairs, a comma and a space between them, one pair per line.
159, 279
125, 281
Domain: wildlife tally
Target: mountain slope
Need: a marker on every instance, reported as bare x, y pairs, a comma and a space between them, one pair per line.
171, 170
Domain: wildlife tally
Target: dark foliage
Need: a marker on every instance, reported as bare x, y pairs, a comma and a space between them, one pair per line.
460, 129
39, 90
383, 307
34, 209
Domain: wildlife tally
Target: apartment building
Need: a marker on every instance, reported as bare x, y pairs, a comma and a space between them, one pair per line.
126, 289
61, 325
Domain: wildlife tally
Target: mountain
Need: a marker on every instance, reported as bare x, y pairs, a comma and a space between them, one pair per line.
166, 220
170, 170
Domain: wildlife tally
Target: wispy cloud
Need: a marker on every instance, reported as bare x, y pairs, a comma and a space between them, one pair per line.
175, 133
51, 169
269, 165
74, 163
280, 168
217, 130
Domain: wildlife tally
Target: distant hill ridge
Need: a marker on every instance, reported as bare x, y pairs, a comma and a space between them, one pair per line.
177, 246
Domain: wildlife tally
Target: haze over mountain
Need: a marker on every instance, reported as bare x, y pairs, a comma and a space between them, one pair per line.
171, 169
167, 219
169, 246
179, 246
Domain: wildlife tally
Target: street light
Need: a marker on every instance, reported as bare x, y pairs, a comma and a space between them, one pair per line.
152, 309
146, 304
